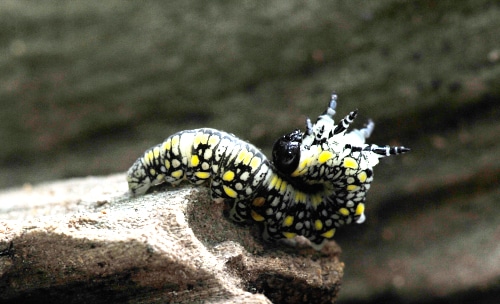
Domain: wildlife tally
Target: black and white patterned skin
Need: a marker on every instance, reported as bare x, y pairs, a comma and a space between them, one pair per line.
316, 183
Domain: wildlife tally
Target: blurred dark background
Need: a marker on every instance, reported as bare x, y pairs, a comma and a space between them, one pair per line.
87, 86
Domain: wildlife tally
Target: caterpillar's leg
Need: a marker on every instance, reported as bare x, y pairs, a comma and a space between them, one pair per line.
236, 210
152, 169
318, 243
146, 172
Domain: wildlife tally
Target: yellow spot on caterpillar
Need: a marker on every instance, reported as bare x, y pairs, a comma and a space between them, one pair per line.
152, 171
302, 168
318, 224
167, 145
241, 156
148, 157
316, 200
350, 162
289, 235
360, 209
202, 175
197, 139
156, 152
257, 217
177, 174
248, 158
258, 201
167, 164
160, 177
195, 161
204, 138
278, 184
255, 163
344, 211
329, 234
228, 176
288, 221
325, 156
362, 176
175, 141
273, 182
213, 140
229, 191
352, 187
283, 187
300, 197
297, 195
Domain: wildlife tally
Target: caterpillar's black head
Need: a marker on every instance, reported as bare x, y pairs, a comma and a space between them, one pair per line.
286, 152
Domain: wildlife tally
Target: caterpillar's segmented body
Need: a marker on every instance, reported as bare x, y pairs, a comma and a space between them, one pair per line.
316, 183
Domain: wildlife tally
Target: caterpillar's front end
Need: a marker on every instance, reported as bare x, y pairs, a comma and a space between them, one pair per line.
334, 162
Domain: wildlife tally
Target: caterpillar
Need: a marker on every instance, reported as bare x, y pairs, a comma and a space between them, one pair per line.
317, 180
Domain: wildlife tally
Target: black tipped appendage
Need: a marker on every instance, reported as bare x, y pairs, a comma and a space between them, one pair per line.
345, 122
388, 150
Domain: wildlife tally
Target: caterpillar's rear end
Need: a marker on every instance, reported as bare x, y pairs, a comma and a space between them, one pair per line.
235, 168
165, 162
